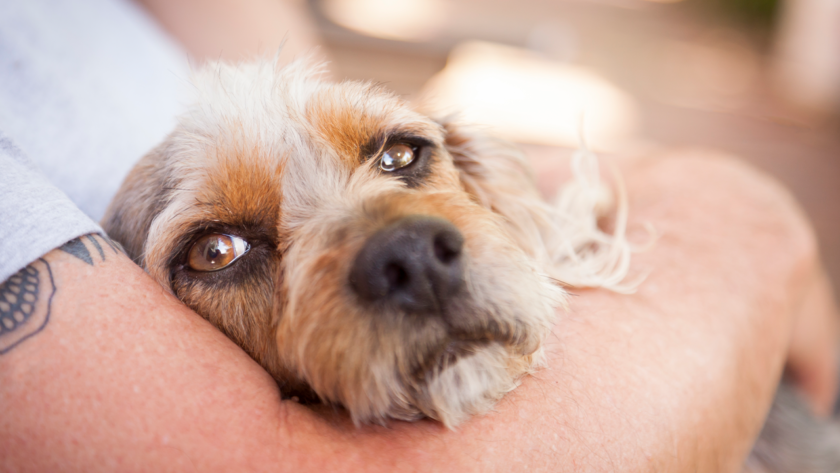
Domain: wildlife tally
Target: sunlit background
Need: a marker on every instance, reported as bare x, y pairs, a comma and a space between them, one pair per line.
758, 78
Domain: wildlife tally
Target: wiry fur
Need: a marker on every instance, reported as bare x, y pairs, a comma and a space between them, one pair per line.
286, 161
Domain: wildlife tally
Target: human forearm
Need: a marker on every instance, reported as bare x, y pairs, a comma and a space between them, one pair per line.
124, 377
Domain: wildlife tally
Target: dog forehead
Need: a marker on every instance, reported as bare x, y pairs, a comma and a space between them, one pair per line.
255, 105
291, 113
261, 137
354, 118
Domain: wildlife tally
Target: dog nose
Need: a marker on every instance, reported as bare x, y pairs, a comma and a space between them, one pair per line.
414, 263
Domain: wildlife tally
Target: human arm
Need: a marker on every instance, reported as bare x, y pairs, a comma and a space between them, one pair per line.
675, 378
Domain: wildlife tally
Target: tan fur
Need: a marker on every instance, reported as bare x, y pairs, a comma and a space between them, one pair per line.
288, 163
340, 125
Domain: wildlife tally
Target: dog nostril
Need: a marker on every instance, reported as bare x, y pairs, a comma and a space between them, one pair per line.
396, 276
446, 250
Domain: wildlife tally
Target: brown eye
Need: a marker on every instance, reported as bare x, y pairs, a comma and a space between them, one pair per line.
397, 156
216, 251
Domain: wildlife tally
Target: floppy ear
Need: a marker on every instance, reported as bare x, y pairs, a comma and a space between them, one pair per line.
498, 176
563, 237
140, 199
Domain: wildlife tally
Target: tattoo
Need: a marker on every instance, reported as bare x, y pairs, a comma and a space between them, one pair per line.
115, 245
77, 248
25, 301
26, 297
96, 244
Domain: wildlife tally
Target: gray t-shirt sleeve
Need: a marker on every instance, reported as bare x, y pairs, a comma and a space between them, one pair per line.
35, 217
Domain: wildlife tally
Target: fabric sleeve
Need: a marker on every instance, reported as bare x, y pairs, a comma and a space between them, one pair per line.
35, 216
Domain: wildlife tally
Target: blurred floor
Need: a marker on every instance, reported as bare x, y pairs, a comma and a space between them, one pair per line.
697, 82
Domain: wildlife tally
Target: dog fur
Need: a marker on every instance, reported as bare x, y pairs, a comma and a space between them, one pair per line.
288, 162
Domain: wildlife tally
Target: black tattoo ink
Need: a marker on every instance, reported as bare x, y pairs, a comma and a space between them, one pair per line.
77, 248
25, 301
96, 244
114, 245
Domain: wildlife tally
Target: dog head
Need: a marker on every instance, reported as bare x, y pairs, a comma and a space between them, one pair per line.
351, 245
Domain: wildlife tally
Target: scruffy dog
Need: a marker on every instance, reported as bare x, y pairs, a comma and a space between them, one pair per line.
362, 252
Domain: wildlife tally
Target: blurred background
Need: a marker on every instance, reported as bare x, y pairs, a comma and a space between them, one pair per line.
756, 78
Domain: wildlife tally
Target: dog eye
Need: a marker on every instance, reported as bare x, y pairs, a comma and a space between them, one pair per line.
396, 157
216, 251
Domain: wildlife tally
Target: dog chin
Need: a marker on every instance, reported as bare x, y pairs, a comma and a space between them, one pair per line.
471, 385
465, 386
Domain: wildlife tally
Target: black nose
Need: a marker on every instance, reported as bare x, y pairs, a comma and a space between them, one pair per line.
414, 263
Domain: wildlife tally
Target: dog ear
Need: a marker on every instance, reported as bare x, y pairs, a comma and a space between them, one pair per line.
498, 177
563, 238
140, 199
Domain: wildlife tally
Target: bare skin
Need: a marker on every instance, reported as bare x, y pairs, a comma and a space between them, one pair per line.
678, 377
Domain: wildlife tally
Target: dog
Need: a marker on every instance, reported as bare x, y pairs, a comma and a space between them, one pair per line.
370, 256
363, 253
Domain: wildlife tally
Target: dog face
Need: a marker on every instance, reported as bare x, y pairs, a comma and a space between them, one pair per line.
348, 243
